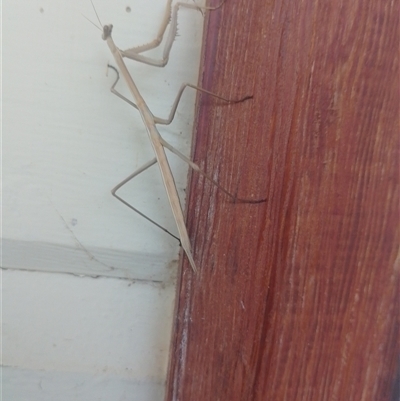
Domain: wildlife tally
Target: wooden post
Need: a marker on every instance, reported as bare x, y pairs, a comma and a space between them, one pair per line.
296, 298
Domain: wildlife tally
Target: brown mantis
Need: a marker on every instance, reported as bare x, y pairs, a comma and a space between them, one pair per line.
150, 121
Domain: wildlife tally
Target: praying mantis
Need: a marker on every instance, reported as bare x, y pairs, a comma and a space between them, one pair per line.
150, 121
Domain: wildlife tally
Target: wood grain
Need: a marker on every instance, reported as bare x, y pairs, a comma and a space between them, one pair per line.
297, 297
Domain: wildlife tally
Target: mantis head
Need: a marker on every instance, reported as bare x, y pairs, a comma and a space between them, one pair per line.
107, 29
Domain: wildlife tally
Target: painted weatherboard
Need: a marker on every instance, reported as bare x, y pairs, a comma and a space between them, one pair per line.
67, 140
80, 338
102, 332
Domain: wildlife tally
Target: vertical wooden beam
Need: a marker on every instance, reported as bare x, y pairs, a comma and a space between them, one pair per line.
296, 298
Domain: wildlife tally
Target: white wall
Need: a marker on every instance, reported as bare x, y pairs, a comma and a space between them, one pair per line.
66, 142
78, 338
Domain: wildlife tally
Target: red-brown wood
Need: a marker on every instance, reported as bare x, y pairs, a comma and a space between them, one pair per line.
296, 298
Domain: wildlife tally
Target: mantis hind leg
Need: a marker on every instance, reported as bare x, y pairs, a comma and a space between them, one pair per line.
131, 177
196, 168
